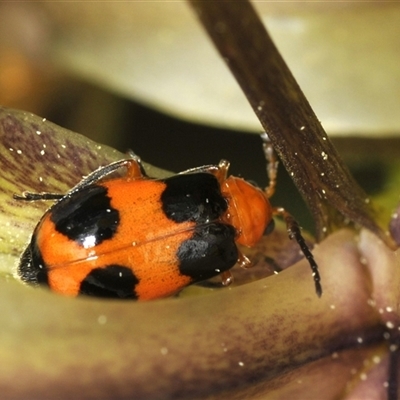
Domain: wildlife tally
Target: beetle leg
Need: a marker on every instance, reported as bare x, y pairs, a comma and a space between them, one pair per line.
101, 173
243, 261
293, 229
30, 196
133, 165
211, 168
226, 278
272, 165
135, 169
220, 171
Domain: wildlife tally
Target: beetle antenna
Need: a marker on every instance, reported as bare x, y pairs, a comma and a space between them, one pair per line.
295, 233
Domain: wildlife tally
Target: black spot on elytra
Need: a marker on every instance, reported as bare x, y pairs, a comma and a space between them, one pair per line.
210, 251
32, 268
86, 216
193, 197
113, 281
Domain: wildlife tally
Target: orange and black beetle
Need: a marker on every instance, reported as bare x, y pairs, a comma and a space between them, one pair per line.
141, 238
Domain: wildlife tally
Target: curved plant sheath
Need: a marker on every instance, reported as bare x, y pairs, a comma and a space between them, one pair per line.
37, 155
298, 137
272, 337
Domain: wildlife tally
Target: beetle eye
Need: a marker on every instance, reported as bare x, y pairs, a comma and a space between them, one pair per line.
270, 227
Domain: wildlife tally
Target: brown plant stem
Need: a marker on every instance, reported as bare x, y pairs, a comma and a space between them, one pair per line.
298, 137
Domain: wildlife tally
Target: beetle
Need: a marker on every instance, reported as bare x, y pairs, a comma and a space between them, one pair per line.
135, 237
